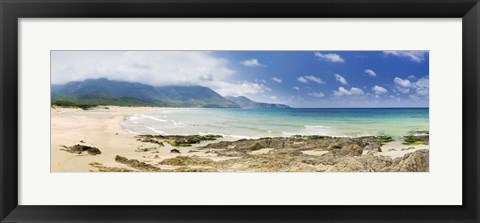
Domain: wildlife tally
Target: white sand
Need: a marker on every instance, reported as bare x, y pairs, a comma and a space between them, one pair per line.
102, 128
97, 128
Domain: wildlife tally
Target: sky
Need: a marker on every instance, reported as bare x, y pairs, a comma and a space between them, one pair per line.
296, 78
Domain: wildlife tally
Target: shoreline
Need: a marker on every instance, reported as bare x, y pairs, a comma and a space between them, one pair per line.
102, 128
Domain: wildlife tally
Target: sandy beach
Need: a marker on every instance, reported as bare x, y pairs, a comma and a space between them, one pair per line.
101, 128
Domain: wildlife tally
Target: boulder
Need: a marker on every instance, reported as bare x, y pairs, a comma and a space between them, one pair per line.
417, 161
141, 166
373, 146
82, 148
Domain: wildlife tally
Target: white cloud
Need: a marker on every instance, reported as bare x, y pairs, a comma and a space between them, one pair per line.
423, 82
276, 79
158, 68
331, 57
412, 77
379, 90
402, 85
148, 67
317, 94
414, 97
296, 88
370, 72
252, 63
405, 86
402, 82
314, 79
341, 79
422, 87
417, 56
238, 89
302, 79
273, 97
305, 79
403, 90
353, 91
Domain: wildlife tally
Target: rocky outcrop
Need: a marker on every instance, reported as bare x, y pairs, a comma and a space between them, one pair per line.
187, 160
145, 149
82, 148
133, 163
178, 140
417, 137
417, 161
289, 154
101, 168
150, 140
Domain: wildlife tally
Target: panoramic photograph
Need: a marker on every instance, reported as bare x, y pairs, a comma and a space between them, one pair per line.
239, 111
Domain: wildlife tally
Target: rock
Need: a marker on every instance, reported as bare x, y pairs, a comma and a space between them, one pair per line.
150, 140
334, 146
101, 168
416, 138
81, 148
409, 148
136, 164
178, 140
81, 141
218, 145
256, 146
287, 154
373, 146
141, 149
120, 159
354, 150
348, 150
417, 161
185, 160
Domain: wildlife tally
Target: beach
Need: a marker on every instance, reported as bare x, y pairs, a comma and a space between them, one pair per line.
122, 150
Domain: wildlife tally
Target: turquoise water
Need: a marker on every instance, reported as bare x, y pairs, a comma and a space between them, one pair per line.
252, 123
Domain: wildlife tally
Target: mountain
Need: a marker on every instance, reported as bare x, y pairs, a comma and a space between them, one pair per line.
244, 102
109, 92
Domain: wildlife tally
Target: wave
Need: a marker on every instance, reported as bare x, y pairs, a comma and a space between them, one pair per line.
155, 130
178, 124
154, 118
134, 117
317, 126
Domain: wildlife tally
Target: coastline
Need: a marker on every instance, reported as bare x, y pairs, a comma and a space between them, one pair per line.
101, 128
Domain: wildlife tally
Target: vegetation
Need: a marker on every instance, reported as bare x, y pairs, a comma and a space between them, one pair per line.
187, 141
383, 138
71, 104
121, 93
416, 138
311, 137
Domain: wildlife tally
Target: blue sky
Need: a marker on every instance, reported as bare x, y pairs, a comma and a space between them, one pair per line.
296, 78
337, 78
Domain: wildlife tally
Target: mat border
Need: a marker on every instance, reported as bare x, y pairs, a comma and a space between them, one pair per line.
12, 10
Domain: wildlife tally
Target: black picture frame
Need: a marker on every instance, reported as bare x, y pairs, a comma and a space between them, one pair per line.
12, 10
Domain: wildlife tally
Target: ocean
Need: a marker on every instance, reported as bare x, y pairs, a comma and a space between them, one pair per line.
254, 123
